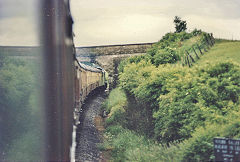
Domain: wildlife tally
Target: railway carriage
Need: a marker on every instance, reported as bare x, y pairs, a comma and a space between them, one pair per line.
87, 79
67, 81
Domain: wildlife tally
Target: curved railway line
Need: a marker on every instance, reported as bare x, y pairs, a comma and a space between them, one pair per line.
87, 135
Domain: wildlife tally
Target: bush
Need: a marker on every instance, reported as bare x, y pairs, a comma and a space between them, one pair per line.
196, 32
164, 57
190, 100
220, 69
134, 74
183, 101
200, 146
116, 97
173, 46
133, 59
228, 81
182, 98
116, 116
115, 107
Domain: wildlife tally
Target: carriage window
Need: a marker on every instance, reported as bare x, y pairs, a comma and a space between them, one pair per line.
21, 115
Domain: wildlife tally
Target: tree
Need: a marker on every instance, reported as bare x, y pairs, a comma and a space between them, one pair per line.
1, 59
180, 25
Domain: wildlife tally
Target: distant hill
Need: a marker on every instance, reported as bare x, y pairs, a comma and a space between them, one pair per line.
19, 50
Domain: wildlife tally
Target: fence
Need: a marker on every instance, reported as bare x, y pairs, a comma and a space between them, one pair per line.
193, 54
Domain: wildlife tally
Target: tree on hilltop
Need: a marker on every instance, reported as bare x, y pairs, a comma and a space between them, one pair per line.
180, 25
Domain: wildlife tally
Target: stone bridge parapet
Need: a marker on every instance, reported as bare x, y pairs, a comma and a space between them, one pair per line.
109, 57
113, 49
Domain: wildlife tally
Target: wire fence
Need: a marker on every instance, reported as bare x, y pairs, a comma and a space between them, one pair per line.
197, 50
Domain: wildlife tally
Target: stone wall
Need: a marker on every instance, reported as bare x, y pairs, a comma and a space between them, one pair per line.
113, 49
105, 56
108, 61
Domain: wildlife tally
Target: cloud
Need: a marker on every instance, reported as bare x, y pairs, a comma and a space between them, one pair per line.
221, 27
13, 8
130, 28
212, 8
121, 21
18, 31
113, 22
100, 22
19, 22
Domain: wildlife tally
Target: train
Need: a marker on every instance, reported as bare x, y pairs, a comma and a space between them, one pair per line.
87, 79
67, 81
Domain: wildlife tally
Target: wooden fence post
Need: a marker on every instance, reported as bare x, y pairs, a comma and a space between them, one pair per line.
185, 59
189, 64
204, 48
200, 49
182, 61
207, 43
190, 56
213, 40
195, 53
210, 40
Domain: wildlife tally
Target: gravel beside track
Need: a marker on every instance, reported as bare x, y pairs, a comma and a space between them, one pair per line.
87, 134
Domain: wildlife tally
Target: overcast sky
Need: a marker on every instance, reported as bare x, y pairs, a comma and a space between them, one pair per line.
102, 22
18, 23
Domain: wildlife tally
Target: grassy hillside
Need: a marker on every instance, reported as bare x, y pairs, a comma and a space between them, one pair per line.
183, 107
223, 51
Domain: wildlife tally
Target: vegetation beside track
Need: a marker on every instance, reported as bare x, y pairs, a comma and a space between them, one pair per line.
21, 122
176, 110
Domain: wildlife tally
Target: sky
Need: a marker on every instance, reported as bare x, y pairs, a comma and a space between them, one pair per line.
104, 22
19, 23
107, 22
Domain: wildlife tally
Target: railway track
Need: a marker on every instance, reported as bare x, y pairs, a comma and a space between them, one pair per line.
87, 135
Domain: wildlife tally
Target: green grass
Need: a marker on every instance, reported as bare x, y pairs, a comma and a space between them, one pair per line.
126, 145
223, 50
190, 42
115, 107
115, 98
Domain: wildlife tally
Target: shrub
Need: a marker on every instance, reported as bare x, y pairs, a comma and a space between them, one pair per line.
115, 107
164, 57
177, 122
182, 98
172, 46
200, 146
227, 82
190, 101
220, 69
115, 97
196, 32
116, 115
183, 101
134, 59
134, 74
